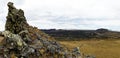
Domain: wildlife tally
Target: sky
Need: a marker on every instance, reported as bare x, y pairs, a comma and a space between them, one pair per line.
67, 14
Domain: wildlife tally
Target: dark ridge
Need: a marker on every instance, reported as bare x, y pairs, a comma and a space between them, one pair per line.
101, 33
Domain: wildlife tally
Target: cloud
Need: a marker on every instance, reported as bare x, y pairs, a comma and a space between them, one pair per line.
68, 14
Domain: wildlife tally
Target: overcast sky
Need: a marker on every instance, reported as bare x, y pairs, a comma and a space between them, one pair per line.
67, 14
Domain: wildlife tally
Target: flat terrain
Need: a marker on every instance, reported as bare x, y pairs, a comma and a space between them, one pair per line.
99, 48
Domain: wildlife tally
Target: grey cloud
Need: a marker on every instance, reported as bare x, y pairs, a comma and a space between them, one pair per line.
82, 14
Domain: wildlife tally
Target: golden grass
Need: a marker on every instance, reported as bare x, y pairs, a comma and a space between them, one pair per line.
99, 48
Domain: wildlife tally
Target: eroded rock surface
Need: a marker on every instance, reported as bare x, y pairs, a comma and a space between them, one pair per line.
24, 41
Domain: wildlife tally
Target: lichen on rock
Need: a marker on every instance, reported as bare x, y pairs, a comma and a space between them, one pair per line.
16, 20
24, 41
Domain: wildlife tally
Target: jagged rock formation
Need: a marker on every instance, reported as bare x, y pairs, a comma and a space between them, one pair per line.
16, 20
24, 41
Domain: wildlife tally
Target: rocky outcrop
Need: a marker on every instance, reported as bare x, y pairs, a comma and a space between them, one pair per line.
24, 41
16, 21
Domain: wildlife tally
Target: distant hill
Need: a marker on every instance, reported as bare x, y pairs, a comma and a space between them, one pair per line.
82, 34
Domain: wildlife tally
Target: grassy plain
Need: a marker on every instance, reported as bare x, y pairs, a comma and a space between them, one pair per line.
99, 48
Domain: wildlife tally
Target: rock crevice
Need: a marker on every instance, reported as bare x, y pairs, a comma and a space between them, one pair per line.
24, 41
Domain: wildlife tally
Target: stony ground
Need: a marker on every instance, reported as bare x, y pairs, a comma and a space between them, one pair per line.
99, 48
22, 40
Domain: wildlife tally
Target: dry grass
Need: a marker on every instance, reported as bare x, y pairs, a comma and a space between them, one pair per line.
99, 48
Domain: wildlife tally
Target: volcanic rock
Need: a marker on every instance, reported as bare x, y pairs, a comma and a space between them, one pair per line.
24, 41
